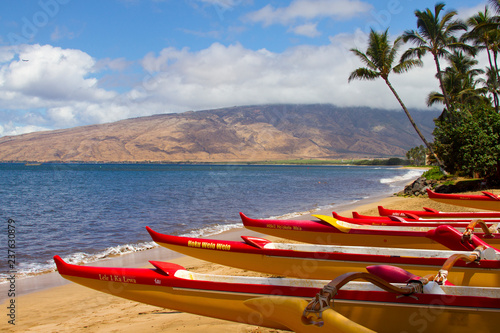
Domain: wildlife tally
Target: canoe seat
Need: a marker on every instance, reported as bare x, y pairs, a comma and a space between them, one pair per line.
255, 241
392, 274
166, 267
397, 218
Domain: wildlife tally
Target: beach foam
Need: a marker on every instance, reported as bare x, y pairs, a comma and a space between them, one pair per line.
82, 258
396, 180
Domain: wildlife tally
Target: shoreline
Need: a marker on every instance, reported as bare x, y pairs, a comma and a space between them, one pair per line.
38, 262
49, 303
68, 307
46, 280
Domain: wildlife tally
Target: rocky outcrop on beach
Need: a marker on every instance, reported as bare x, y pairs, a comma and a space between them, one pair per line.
419, 187
237, 134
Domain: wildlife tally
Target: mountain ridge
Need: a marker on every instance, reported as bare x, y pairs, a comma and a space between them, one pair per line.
234, 134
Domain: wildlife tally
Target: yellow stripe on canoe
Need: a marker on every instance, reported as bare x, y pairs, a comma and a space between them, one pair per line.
333, 222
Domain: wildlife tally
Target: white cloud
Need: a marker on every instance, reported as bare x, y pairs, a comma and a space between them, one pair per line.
6, 54
308, 30
62, 115
57, 88
232, 75
50, 74
46, 86
9, 128
464, 13
308, 10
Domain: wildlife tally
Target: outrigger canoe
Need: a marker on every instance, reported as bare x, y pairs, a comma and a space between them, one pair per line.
310, 261
302, 305
396, 221
430, 213
487, 200
328, 230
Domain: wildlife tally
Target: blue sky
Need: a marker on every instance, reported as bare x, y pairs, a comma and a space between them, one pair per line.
66, 63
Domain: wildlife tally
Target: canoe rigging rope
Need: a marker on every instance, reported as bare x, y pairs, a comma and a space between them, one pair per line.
488, 232
312, 314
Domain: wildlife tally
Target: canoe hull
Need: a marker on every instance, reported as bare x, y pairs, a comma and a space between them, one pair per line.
315, 237
225, 299
320, 232
484, 202
411, 221
323, 265
220, 305
428, 213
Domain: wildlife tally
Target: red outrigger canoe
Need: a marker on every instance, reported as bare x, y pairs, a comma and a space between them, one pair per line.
309, 261
331, 231
487, 200
395, 221
429, 213
281, 303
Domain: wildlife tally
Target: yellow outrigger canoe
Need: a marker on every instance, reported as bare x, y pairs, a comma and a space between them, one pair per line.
486, 201
339, 306
311, 261
328, 230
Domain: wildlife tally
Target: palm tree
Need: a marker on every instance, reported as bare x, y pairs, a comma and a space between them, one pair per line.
459, 80
495, 4
379, 59
434, 35
485, 35
482, 33
492, 85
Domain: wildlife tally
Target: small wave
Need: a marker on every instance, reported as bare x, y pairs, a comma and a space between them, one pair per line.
289, 216
82, 258
78, 258
212, 230
411, 174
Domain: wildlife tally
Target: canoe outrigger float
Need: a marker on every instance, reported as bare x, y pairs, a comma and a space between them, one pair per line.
328, 230
389, 302
429, 213
477, 268
487, 200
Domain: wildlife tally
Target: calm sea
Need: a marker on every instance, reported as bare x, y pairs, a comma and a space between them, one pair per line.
87, 212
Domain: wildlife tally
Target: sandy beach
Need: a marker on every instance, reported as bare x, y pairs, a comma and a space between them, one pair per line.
48, 303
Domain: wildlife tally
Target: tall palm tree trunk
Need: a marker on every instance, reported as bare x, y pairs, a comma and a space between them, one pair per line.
488, 51
494, 93
441, 84
440, 163
495, 58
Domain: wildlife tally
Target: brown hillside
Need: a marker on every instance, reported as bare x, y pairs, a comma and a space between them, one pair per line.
250, 133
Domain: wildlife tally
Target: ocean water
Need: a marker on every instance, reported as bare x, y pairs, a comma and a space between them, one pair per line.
88, 212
